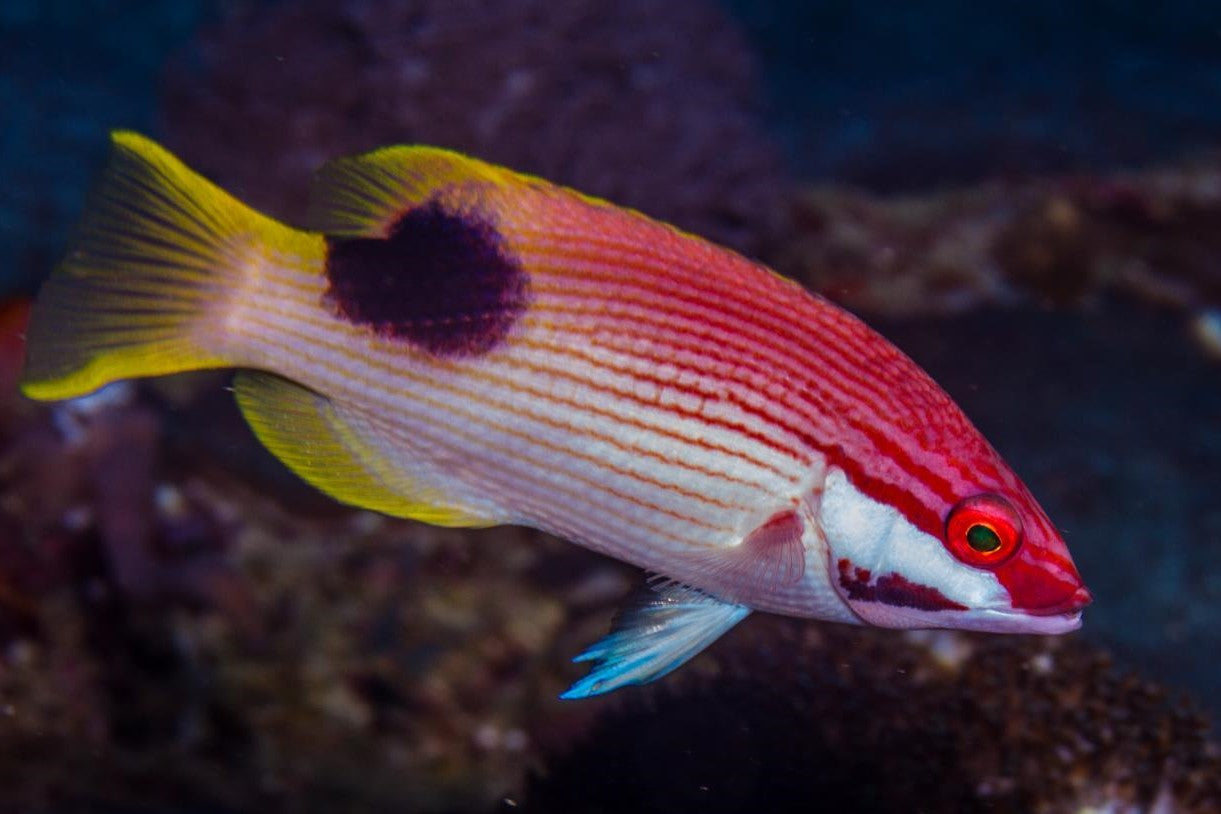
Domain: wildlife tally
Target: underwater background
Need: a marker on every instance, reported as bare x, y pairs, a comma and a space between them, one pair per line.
1024, 197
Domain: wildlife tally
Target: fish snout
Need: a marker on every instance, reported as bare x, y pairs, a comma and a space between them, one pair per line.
1073, 603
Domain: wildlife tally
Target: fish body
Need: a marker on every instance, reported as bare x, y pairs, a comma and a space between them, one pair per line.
461, 344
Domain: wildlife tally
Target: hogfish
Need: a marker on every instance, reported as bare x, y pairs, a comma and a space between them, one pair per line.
454, 342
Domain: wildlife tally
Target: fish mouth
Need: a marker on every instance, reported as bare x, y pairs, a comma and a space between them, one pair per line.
1074, 604
1053, 624
1061, 617
1008, 620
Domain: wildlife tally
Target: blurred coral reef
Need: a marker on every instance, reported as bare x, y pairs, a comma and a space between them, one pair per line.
812, 717
605, 97
1153, 235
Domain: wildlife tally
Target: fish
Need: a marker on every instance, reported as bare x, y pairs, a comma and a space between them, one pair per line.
454, 342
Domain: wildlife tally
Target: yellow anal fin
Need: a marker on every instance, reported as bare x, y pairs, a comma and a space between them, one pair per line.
305, 431
363, 195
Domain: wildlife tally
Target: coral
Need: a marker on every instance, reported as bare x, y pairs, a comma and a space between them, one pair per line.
790, 716
81, 478
648, 104
1150, 234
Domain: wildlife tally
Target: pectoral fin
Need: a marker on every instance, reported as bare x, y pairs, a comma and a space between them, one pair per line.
772, 555
667, 628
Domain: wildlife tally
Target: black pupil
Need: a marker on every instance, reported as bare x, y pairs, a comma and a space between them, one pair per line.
983, 539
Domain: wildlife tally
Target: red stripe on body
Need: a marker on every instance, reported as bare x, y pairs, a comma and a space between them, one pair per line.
855, 412
804, 401
662, 384
619, 418
925, 404
727, 309
836, 452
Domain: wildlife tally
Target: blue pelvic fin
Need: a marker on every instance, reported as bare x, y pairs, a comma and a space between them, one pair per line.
668, 626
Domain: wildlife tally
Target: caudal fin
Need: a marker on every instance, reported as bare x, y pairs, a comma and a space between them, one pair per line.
143, 291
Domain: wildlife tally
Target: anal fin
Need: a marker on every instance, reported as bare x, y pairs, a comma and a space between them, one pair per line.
669, 626
310, 435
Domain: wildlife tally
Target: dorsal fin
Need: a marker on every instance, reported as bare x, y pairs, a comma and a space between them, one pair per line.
363, 195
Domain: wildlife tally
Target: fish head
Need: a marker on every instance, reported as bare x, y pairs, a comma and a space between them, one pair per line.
988, 559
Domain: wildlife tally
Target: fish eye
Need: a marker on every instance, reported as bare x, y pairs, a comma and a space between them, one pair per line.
983, 531
983, 538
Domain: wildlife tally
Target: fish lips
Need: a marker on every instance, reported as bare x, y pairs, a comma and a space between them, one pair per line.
1061, 617
1075, 603
1051, 620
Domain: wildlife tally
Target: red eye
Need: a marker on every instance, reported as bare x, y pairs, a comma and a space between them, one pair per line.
983, 531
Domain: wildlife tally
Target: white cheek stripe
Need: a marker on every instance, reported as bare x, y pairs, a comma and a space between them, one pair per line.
875, 535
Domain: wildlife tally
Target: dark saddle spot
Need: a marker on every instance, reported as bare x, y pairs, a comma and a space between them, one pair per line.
442, 280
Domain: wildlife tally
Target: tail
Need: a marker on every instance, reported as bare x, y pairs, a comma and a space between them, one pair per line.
159, 255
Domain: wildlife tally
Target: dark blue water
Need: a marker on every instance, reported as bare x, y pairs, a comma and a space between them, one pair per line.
900, 95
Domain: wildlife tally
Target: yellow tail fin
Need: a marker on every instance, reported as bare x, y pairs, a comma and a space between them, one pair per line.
159, 253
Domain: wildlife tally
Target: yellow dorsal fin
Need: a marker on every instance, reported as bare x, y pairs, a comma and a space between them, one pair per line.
363, 195
305, 431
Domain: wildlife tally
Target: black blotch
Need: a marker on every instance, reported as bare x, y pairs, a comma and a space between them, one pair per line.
441, 280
